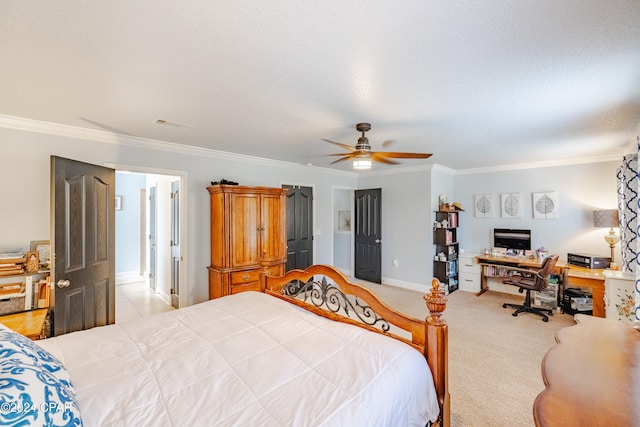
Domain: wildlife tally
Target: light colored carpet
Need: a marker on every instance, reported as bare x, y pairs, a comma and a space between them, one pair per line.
494, 357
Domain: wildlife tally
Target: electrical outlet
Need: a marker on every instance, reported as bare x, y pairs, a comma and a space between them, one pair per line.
395, 263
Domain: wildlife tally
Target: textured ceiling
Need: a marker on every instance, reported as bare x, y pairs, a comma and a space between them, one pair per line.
477, 83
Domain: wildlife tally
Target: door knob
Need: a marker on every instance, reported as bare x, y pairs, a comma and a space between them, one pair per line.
378, 241
63, 283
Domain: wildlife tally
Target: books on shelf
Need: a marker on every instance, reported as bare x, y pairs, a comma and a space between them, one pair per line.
448, 237
11, 263
8, 289
452, 219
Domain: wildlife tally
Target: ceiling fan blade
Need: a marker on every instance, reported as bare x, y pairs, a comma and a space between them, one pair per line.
339, 144
396, 155
388, 142
347, 157
382, 159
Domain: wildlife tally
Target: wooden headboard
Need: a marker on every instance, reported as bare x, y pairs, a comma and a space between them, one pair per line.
324, 290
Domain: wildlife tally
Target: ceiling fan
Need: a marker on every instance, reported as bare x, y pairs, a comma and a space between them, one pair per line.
362, 154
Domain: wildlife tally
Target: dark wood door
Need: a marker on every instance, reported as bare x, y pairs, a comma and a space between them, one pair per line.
299, 227
175, 244
368, 236
83, 239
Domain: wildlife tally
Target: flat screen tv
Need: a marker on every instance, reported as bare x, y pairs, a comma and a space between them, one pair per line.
510, 238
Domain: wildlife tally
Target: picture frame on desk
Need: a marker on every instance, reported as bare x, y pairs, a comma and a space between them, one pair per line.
43, 247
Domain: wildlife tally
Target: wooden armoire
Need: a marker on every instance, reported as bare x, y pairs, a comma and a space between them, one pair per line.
248, 237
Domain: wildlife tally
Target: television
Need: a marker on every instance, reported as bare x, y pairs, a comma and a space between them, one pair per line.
512, 239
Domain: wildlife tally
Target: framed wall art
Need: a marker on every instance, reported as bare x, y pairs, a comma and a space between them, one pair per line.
511, 205
483, 205
545, 205
344, 220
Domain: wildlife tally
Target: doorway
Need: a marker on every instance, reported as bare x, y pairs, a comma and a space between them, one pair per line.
368, 234
343, 230
299, 227
149, 262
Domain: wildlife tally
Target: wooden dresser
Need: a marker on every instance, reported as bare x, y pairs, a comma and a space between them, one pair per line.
248, 237
592, 376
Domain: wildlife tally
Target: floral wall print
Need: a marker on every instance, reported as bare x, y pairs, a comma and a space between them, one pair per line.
545, 205
511, 205
483, 205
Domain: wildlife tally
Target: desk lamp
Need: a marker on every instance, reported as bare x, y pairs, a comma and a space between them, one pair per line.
608, 218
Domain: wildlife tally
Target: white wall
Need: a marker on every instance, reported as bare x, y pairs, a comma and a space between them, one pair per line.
581, 189
409, 198
128, 186
342, 240
24, 170
406, 225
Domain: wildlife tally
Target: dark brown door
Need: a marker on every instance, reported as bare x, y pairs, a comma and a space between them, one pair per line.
368, 236
83, 238
175, 244
299, 227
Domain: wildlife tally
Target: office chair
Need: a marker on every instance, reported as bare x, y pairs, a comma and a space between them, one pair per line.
531, 280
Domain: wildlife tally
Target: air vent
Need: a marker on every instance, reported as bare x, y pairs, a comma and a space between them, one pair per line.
173, 124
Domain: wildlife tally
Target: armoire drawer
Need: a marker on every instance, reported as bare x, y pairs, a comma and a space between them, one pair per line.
245, 276
251, 286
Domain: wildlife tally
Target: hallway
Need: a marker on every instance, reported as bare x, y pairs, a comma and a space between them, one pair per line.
136, 300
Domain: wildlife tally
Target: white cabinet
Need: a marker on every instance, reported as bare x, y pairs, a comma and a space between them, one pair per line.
470, 272
619, 296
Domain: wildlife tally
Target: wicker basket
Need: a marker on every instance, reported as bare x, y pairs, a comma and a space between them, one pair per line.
12, 304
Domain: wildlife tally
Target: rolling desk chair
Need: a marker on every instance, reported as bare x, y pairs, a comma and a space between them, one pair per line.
531, 280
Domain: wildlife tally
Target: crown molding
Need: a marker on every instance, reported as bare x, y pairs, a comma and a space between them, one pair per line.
540, 165
29, 125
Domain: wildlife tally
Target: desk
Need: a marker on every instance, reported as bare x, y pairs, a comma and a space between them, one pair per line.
572, 276
588, 278
590, 376
28, 323
512, 261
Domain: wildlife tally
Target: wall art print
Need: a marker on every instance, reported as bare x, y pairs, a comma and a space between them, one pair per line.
545, 205
511, 205
483, 205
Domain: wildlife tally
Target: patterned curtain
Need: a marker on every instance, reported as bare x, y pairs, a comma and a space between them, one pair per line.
628, 206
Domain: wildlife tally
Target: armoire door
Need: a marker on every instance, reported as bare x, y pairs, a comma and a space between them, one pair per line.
244, 229
272, 227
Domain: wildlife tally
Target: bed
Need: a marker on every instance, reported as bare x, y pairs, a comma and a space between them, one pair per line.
286, 356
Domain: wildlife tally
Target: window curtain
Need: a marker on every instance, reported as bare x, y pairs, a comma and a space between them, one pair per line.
628, 207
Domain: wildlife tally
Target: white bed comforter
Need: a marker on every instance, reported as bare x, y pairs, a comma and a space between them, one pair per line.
244, 360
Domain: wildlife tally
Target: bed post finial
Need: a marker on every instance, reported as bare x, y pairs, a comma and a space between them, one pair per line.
436, 301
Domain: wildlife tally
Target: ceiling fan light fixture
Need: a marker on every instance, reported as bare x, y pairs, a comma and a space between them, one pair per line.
362, 163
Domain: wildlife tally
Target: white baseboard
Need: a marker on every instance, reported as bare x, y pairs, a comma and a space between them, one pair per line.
406, 285
164, 297
347, 273
125, 277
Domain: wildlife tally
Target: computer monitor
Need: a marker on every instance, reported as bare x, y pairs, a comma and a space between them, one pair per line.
512, 239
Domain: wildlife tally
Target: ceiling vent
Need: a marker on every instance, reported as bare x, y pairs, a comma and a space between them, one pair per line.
173, 124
